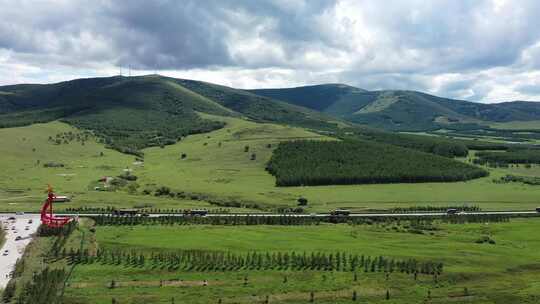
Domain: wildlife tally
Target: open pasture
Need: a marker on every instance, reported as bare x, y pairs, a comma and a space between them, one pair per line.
215, 165
473, 272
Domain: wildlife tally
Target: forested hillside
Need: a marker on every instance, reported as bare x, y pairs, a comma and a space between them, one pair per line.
259, 108
402, 110
430, 144
317, 97
361, 162
525, 156
130, 113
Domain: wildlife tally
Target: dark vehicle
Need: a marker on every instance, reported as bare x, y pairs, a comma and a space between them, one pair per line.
18, 238
196, 212
11, 218
145, 214
451, 211
341, 212
537, 209
131, 212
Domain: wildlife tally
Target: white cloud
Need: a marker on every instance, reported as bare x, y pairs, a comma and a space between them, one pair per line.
485, 50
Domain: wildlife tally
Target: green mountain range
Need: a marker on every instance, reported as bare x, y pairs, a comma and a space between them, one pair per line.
402, 110
131, 113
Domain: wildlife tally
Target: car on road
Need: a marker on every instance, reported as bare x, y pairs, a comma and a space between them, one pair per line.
537, 209
18, 238
11, 218
6, 252
452, 211
196, 212
30, 221
126, 212
26, 228
19, 213
341, 212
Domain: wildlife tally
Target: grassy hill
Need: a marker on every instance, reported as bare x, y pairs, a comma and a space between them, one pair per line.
130, 113
216, 172
402, 110
232, 136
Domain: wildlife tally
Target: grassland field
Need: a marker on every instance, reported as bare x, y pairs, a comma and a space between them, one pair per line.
517, 125
505, 272
216, 165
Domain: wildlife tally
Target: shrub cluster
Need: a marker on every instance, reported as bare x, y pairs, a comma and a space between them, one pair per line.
70, 136
529, 180
414, 209
45, 287
65, 231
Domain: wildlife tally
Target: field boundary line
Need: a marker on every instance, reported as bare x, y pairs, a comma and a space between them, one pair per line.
74, 265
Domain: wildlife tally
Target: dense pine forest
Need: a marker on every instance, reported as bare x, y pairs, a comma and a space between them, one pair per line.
361, 162
509, 157
429, 144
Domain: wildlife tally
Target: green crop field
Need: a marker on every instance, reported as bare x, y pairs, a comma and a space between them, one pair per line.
484, 269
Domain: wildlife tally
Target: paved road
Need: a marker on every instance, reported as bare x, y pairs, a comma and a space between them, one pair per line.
15, 248
417, 214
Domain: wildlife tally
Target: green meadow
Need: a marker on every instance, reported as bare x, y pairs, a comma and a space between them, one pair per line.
216, 165
517, 125
504, 272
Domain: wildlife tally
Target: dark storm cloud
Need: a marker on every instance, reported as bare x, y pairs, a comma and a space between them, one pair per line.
168, 34
455, 48
151, 34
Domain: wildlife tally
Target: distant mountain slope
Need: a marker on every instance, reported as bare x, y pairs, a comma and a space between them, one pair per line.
260, 108
401, 110
317, 97
131, 113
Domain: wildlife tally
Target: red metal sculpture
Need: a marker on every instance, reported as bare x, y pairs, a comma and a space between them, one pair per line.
47, 217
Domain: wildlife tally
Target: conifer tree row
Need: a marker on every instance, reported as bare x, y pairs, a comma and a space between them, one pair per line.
294, 220
203, 260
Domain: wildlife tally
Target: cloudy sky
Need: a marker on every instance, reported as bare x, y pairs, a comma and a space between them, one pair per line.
479, 50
